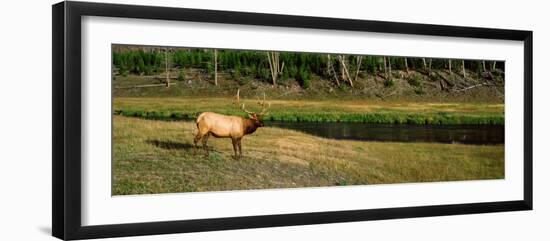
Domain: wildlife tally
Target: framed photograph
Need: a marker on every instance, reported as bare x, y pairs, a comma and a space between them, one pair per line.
169, 120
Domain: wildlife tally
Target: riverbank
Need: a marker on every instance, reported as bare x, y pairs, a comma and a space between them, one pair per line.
151, 156
332, 110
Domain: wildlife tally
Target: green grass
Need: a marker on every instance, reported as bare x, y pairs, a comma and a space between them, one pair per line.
366, 111
152, 156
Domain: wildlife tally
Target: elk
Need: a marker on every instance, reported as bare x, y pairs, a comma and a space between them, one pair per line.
225, 126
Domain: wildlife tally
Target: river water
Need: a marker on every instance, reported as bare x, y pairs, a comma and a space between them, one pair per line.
466, 134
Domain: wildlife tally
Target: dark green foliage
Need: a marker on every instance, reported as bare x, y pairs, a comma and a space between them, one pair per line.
181, 75
253, 65
263, 73
236, 74
208, 66
389, 83
138, 62
398, 63
415, 80
290, 71
304, 76
439, 64
370, 64
140, 66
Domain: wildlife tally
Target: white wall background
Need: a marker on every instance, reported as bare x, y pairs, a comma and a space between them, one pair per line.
25, 117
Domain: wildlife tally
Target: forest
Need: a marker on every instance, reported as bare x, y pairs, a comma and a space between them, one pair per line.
275, 67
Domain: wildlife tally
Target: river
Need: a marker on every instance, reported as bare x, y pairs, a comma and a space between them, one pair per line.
465, 134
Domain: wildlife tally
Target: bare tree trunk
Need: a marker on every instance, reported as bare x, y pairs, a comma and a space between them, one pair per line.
330, 67
166, 68
495, 65
359, 59
424, 62
277, 64
215, 67
463, 70
406, 66
483, 63
385, 69
345, 71
450, 67
272, 68
379, 66
430, 68
342, 71
389, 67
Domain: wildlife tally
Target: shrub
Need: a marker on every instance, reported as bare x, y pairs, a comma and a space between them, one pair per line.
290, 71
236, 74
304, 77
147, 70
209, 67
181, 75
415, 80
243, 80
140, 66
263, 74
419, 91
389, 83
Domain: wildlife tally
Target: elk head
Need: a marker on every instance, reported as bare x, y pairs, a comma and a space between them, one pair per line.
256, 118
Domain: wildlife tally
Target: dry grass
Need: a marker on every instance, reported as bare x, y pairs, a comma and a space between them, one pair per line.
158, 157
339, 106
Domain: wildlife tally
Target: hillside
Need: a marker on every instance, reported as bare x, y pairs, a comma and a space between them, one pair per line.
412, 86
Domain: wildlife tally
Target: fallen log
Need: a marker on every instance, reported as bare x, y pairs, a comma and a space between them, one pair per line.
470, 87
142, 86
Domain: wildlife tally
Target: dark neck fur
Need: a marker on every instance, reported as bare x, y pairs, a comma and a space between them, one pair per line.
249, 126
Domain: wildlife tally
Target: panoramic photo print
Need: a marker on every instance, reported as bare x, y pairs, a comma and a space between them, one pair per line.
196, 119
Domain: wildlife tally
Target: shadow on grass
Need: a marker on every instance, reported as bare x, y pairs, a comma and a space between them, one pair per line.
170, 145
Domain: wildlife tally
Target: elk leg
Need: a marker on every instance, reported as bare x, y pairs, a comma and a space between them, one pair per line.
234, 141
240, 148
198, 137
205, 142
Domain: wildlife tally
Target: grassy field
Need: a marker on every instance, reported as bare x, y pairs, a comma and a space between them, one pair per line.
154, 156
369, 111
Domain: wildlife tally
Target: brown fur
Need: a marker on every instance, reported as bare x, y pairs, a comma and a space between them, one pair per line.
225, 126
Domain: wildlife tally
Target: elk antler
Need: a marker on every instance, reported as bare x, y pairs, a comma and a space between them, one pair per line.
265, 105
264, 109
238, 101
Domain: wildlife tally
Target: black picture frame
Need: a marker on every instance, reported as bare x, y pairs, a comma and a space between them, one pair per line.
66, 75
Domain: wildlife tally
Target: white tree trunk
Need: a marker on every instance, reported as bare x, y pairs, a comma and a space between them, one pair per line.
424, 62
359, 60
272, 67
345, 71
215, 67
385, 68
389, 67
166, 68
463, 70
330, 69
430, 68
